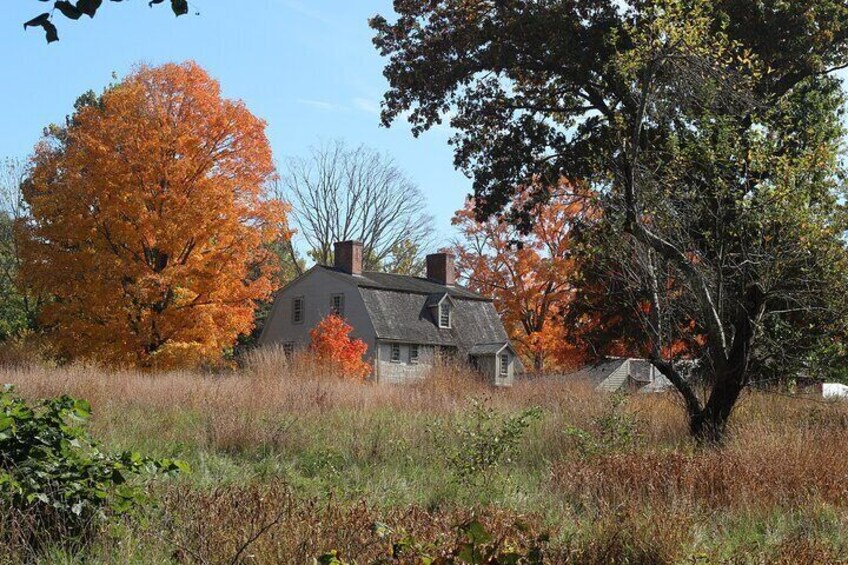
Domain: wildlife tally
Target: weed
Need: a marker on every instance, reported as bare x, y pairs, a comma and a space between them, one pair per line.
614, 430
485, 440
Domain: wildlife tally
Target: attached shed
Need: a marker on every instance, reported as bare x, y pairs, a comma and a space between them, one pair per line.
495, 360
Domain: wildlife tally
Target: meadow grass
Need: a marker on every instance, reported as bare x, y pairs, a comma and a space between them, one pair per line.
306, 462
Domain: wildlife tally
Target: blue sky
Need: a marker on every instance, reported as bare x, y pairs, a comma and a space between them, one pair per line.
306, 66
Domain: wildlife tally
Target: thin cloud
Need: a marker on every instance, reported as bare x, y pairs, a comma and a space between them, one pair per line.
303, 10
318, 104
366, 105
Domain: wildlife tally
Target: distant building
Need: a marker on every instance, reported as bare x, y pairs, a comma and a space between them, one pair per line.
406, 321
628, 375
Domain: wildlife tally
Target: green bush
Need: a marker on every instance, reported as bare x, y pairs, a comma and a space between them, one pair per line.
614, 430
486, 439
55, 478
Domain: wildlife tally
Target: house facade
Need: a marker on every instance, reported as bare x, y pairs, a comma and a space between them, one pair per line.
407, 322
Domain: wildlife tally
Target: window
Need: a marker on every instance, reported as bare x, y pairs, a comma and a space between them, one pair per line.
337, 304
395, 356
504, 369
413, 354
444, 314
297, 310
288, 349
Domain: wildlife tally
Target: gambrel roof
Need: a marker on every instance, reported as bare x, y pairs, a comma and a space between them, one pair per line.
403, 316
401, 309
404, 283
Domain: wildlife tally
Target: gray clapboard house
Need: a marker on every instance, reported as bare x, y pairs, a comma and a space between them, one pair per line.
622, 375
406, 321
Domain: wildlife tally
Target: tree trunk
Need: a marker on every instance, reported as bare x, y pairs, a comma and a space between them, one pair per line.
708, 425
538, 362
708, 422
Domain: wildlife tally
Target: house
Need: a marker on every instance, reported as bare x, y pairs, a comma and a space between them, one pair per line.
618, 374
407, 322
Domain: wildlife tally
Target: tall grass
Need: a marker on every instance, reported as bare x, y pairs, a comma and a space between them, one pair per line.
287, 445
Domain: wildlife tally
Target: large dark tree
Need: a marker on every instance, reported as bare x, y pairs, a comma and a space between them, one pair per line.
711, 131
74, 10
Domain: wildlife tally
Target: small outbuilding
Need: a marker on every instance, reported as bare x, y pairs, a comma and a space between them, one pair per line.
619, 374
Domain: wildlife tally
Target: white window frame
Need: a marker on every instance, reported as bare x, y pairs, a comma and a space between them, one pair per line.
394, 347
298, 310
504, 368
414, 354
340, 310
445, 307
288, 349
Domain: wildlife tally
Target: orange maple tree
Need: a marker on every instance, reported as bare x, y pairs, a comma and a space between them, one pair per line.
150, 223
332, 345
528, 275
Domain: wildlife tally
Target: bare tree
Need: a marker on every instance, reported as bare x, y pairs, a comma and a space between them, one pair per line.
340, 193
16, 305
12, 209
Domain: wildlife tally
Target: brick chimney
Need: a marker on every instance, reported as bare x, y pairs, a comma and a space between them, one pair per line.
441, 268
348, 256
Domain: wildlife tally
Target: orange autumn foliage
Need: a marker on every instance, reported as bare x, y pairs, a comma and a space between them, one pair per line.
332, 345
150, 223
527, 275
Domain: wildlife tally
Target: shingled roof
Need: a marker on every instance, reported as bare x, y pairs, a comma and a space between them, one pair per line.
404, 283
405, 316
484, 349
402, 309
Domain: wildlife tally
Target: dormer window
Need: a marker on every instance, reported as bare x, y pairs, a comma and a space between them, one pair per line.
440, 306
445, 314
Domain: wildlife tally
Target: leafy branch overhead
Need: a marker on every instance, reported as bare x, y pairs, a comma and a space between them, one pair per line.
75, 11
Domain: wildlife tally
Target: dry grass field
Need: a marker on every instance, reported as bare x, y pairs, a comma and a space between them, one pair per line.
288, 464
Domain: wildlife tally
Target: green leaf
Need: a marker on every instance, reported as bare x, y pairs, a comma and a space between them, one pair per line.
82, 409
477, 533
466, 554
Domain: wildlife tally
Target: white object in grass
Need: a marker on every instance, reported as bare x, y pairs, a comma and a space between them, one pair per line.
835, 390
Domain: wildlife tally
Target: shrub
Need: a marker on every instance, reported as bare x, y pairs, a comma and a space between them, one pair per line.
26, 349
475, 545
55, 476
333, 346
271, 523
614, 430
486, 439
